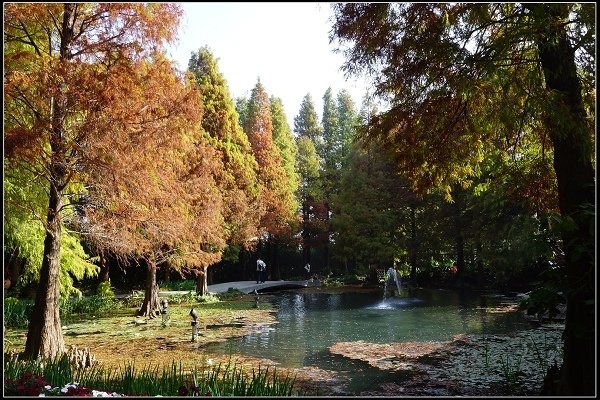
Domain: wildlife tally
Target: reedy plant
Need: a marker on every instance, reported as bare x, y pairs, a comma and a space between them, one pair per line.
229, 380
234, 382
510, 371
542, 353
16, 312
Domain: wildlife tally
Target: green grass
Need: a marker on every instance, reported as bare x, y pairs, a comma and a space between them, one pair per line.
233, 382
219, 380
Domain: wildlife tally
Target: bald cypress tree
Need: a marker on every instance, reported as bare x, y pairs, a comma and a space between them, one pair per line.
239, 180
306, 123
221, 122
69, 98
285, 142
465, 80
308, 129
277, 196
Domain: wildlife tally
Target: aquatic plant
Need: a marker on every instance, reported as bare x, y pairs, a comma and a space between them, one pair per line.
544, 353
511, 371
486, 350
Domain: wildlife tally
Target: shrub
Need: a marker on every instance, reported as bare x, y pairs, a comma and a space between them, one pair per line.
91, 305
17, 312
231, 293
188, 297
187, 285
134, 300
104, 290
208, 299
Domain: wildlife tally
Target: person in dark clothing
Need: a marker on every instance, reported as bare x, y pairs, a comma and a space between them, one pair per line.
261, 271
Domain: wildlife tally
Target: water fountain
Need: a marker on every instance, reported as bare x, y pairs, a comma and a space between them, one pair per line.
391, 277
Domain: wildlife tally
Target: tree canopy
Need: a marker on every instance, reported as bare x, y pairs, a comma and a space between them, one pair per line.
277, 195
462, 81
83, 81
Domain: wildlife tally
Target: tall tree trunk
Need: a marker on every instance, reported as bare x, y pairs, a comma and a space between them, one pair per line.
103, 275
572, 140
211, 273
305, 232
167, 273
44, 334
245, 273
327, 237
14, 266
201, 282
478, 257
412, 247
151, 306
459, 238
276, 267
270, 257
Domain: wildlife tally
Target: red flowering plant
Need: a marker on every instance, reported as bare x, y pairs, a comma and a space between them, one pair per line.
192, 391
73, 389
27, 385
34, 385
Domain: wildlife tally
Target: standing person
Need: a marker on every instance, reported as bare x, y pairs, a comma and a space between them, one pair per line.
307, 269
261, 268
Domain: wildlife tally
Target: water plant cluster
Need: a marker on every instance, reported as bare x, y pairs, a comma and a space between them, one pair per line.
517, 362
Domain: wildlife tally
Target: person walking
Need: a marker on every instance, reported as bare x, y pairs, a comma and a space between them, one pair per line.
261, 269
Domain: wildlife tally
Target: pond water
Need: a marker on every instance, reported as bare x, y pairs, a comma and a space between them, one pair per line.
312, 320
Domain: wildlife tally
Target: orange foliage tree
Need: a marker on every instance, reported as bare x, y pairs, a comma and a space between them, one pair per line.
277, 193
239, 180
72, 70
277, 197
178, 216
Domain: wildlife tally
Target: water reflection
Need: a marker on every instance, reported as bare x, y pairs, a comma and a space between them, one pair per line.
309, 322
397, 303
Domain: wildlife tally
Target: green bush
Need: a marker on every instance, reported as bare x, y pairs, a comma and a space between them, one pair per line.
17, 312
187, 285
352, 279
104, 290
193, 297
331, 281
90, 305
134, 300
208, 299
188, 297
231, 293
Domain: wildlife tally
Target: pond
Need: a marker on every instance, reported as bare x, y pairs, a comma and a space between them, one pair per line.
312, 320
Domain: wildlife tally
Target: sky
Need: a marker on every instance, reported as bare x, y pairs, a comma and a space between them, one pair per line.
286, 45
